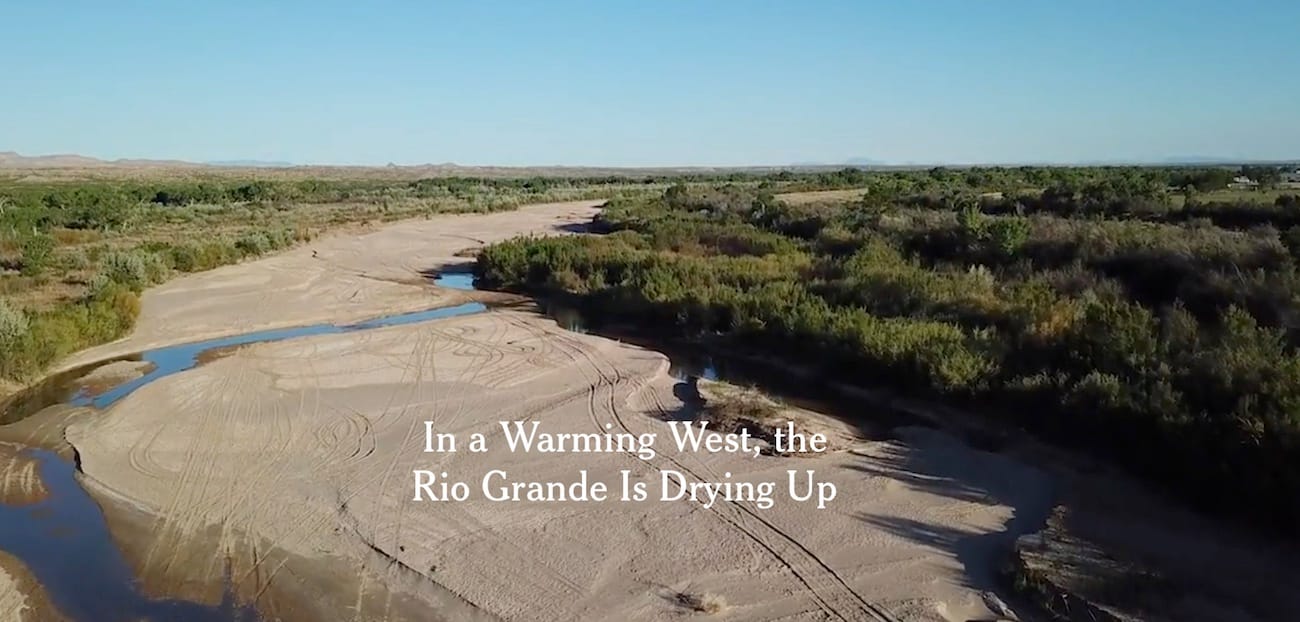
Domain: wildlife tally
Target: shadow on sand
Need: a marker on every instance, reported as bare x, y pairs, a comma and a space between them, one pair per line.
937, 463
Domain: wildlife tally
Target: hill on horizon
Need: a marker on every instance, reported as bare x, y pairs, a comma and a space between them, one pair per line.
12, 160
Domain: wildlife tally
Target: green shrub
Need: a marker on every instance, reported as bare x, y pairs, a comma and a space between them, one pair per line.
53, 334
200, 256
129, 268
187, 258
1007, 235
37, 250
97, 283
157, 267
13, 326
254, 243
76, 259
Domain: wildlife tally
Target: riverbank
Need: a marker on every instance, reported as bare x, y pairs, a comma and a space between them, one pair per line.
265, 472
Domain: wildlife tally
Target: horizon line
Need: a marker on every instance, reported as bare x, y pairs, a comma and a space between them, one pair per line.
16, 160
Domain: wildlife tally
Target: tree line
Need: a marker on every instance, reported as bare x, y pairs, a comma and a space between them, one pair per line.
1166, 344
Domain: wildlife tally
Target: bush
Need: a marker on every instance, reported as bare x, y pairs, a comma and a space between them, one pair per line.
76, 259
13, 326
56, 333
254, 243
97, 284
262, 241
1007, 235
37, 250
197, 257
128, 268
157, 267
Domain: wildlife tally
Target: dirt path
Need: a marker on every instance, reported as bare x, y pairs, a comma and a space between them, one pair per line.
285, 462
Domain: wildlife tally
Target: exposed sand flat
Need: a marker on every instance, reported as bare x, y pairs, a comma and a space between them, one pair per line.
21, 598
309, 445
338, 278
822, 196
114, 373
20, 483
12, 600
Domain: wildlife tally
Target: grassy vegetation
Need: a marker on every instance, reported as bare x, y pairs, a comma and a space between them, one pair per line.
1094, 311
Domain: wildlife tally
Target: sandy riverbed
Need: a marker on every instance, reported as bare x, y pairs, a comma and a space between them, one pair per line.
285, 462
20, 484
310, 445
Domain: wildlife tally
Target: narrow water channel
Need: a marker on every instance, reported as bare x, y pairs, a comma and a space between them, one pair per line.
64, 540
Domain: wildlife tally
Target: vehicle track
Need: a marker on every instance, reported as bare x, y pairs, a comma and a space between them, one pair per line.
824, 584
448, 406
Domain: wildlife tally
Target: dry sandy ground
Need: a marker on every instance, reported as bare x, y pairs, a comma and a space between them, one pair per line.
822, 196
285, 460
20, 484
13, 601
310, 445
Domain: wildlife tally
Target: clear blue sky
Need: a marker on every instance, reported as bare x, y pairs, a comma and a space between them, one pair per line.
650, 82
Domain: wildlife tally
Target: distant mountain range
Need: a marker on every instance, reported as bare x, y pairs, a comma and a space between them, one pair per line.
13, 160
251, 163
863, 162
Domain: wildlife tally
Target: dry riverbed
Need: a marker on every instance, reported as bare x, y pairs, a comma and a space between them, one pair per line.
284, 471
310, 445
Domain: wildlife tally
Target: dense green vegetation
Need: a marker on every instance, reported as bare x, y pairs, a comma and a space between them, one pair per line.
109, 302
109, 204
1114, 310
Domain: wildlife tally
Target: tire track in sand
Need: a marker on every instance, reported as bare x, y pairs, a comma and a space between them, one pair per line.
490, 352
823, 583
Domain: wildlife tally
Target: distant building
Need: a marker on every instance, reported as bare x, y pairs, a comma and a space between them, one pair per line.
1241, 181
1292, 178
